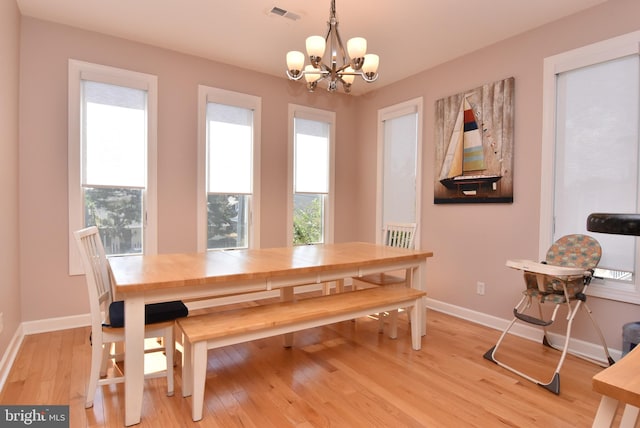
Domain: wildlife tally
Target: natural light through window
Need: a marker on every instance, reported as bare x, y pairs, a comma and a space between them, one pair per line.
311, 178
228, 169
112, 158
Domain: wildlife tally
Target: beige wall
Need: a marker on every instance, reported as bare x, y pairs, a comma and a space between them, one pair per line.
9, 242
471, 243
45, 49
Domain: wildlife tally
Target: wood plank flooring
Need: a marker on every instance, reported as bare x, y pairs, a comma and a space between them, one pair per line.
343, 375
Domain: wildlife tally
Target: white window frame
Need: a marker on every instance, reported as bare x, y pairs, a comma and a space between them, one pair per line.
221, 96
600, 52
78, 71
414, 105
319, 115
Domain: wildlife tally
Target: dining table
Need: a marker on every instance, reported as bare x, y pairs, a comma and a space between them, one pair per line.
142, 279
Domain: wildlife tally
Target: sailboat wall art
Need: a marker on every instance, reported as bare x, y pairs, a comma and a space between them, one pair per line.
474, 145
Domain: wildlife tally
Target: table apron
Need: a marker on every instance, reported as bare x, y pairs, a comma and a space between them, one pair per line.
196, 292
367, 270
276, 282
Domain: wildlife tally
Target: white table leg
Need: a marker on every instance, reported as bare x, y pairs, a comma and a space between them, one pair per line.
134, 359
629, 417
187, 368
419, 281
606, 412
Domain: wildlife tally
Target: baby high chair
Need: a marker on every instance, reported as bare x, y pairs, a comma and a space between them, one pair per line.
562, 280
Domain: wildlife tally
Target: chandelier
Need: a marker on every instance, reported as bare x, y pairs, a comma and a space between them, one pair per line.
357, 63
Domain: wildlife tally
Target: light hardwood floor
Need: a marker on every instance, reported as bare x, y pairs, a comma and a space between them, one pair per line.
343, 375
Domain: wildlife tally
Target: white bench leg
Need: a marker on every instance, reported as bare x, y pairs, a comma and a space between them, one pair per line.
199, 358
187, 368
286, 295
416, 326
393, 324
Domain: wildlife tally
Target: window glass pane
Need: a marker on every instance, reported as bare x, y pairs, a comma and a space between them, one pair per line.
114, 135
308, 219
230, 141
399, 169
597, 152
118, 215
311, 152
227, 221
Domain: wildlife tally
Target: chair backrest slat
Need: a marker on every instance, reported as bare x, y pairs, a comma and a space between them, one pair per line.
400, 235
95, 264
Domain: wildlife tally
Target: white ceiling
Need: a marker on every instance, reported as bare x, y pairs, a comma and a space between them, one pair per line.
409, 35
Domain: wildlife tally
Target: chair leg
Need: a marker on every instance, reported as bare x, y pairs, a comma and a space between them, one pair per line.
104, 359
96, 363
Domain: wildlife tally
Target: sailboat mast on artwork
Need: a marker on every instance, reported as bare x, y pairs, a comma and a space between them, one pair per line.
464, 160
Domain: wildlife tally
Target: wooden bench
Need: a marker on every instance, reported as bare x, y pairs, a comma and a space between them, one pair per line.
619, 383
214, 330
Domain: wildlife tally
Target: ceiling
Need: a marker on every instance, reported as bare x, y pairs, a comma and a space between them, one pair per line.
408, 35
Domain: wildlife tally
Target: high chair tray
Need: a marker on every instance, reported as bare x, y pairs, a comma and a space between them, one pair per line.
531, 266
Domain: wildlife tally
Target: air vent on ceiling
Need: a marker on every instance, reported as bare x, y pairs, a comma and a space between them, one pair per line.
285, 13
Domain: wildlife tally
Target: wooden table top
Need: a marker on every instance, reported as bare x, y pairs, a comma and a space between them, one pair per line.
147, 272
621, 380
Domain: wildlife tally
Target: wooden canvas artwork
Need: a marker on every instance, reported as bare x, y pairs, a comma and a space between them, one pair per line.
474, 145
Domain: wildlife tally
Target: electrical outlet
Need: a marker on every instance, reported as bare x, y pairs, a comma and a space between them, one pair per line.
480, 288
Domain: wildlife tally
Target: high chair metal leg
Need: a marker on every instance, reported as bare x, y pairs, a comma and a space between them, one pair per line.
553, 384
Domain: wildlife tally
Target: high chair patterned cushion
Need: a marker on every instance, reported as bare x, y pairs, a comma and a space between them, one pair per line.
570, 251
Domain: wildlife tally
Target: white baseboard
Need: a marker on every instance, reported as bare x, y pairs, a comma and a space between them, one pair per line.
580, 347
9, 355
34, 327
55, 324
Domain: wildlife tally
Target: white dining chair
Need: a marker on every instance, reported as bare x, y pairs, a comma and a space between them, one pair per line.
107, 318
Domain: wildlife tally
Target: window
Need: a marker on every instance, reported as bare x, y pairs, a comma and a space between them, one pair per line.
591, 152
229, 126
311, 175
399, 160
112, 158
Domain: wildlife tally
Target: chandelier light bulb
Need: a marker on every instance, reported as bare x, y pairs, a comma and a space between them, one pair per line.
311, 74
348, 78
357, 47
316, 46
370, 66
295, 61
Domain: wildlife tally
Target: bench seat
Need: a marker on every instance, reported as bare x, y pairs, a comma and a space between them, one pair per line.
218, 329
